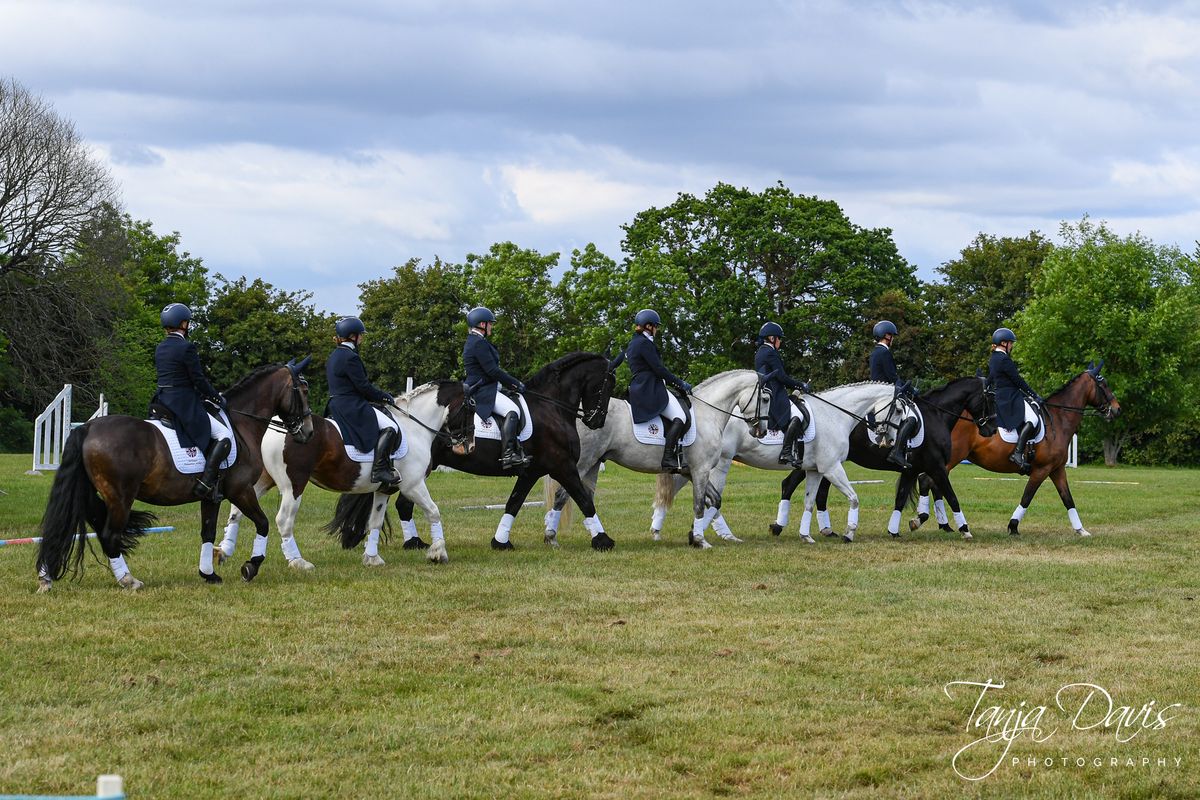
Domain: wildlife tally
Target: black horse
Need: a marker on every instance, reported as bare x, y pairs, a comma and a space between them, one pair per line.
110, 462
555, 396
942, 409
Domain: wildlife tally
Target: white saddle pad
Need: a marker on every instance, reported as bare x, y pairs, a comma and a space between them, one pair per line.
356, 455
190, 460
775, 438
490, 429
652, 432
918, 438
1010, 436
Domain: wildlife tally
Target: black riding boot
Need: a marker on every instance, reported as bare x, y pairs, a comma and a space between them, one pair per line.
1018, 453
511, 455
673, 459
908, 429
792, 449
382, 471
208, 484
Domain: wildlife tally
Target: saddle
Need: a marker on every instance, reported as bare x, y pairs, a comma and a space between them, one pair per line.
515, 396
165, 417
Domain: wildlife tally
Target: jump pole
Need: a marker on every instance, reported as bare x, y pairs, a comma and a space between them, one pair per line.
37, 539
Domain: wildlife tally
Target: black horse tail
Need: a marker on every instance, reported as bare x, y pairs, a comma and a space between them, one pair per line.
350, 520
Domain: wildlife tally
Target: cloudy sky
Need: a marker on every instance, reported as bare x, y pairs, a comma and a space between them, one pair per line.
318, 144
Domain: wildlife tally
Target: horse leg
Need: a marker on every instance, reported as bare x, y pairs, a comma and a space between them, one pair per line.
115, 522
924, 484
942, 480
668, 486
582, 495
812, 482
371, 557
418, 492
904, 488
520, 490
1031, 487
787, 488
247, 502
837, 476
404, 509
229, 540
561, 497
1059, 476
285, 521
208, 535
824, 526
718, 478
706, 502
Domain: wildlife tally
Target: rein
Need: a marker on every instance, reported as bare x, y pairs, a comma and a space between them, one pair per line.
437, 433
730, 414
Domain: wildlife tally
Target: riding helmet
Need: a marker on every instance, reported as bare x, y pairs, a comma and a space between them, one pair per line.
1003, 335
348, 326
647, 317
883, 328
770, 329
479, 315
174, 315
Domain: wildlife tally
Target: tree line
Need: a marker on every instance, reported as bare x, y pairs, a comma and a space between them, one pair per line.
81, 288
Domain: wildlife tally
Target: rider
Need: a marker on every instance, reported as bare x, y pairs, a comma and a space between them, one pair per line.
648, 395
783, 414
1009, 386
363, 425
883, 368
481, 360
182, 390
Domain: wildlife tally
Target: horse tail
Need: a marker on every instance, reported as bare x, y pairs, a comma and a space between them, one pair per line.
553, 495
73, 503
350, 519
914, 492
664, 491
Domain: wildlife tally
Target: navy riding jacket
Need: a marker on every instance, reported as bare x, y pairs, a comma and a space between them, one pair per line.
769, 365
647, 392
1010, 388
182, 388
350, 398
883, 365
481, 360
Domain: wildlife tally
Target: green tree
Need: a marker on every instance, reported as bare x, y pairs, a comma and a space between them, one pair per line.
414, 321
1128, 301
910, 348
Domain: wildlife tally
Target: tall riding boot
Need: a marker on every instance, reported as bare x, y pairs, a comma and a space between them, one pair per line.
1018, 454
673, 458
511, 455
908, 429
792, 449
382, 471
208, 485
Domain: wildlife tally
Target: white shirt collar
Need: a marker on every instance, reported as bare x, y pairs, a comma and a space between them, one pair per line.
647, 335
884, 344
476, 331
348, 344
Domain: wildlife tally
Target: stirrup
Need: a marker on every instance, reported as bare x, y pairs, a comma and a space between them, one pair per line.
206, 492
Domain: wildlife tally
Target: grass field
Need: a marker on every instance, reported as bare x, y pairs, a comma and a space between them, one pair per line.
764, 669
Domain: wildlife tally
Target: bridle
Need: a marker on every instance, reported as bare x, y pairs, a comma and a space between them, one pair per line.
292, 422
1102, 409
759, 390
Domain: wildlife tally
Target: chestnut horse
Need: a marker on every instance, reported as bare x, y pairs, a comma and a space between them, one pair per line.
1064, 411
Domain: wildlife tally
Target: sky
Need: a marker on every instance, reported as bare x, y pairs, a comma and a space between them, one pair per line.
316, 145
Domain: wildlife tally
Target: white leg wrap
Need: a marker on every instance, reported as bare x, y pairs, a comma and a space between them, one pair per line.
939, 511
781, 516
698, 526
119, 568
206, 554
593, 525
229, 542
721, 526
409, 526
656, 521
502, 530
710, 513
291, 550
852, 519
1073, 515
260, 546
894, 523
806, 523
552, 518
960, 519
372, 546
923, 504
435, 531
1019, 513
823, 522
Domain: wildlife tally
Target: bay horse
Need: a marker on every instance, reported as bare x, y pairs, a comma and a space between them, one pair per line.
960, 400
1064, 411
322, 460
577, 385
110, 462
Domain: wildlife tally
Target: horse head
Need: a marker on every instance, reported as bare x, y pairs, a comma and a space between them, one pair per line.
292, 406
1102, 396
460, 416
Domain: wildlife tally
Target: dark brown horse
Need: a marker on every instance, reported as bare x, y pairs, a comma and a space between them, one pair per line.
110, 462
1063, 414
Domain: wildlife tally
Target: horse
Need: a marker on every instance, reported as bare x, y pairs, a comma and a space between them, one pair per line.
941, 410
323, 461
110, 462
714, 404
577, 385
1062, 415
834, 414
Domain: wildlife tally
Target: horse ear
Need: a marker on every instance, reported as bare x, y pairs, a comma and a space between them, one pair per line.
1091, 366
978, 372
304, 362
1100, 366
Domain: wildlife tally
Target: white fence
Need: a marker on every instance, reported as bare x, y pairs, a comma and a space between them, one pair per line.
52, 426
1073, 451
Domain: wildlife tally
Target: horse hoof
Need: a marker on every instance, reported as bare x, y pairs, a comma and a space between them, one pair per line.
44, 585
945, 526
221, 555
502, 545
603, 542
436, 554
551, 538
655, 536
776, 529
210, 577
828, 532
1083, 532
848, 538
301, 565
699, 544
895, 535
128, 582
373, 561
729, 537
913, 524
804, 537
249, 571
415, 543
967, 536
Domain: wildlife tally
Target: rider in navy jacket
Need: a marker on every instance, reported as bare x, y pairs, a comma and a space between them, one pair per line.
481, 361
350, 399
1011, 389
648, 396
769, 365
183, 389
883, 368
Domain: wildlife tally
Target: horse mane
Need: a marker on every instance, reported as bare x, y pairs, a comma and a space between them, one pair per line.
852, 385
948, 384
1066, 385
252, 377
711, 378
555, 368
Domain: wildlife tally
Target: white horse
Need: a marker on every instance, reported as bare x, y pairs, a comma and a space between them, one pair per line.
824, 455
713, 403
323, 461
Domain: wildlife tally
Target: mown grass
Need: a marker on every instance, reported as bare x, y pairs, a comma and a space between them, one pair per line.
764, 669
